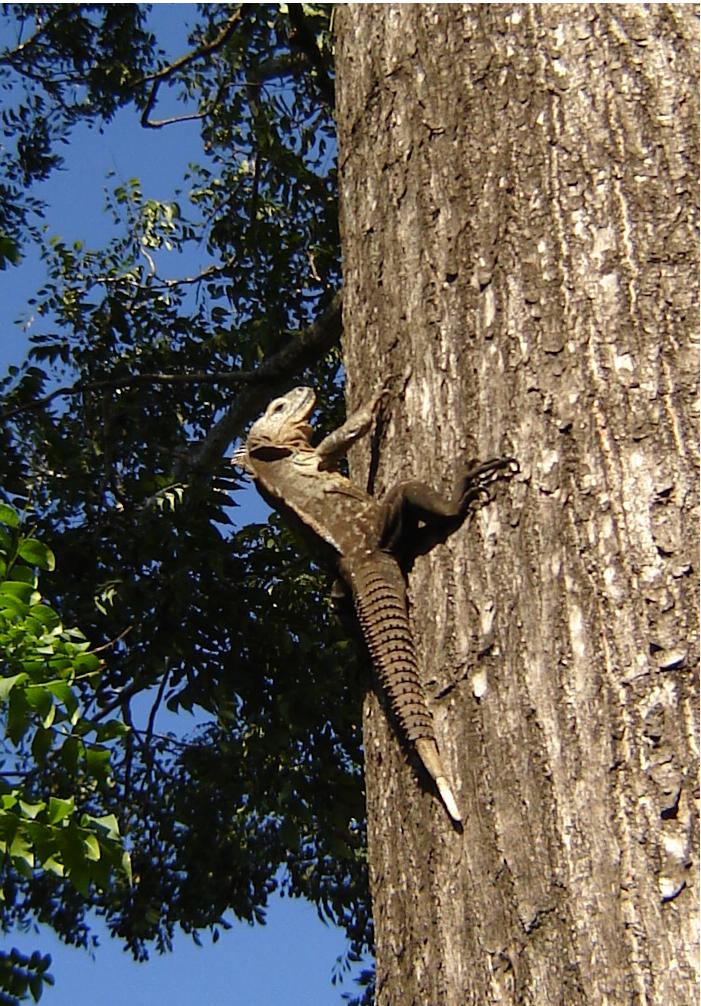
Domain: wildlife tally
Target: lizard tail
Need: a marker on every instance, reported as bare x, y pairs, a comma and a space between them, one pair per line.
380, 600
427, 751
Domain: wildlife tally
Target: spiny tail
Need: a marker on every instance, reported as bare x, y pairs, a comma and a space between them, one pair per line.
380, 600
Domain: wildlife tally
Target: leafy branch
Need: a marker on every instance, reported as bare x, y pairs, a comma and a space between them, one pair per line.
272, 377
159, 76
40, 664
303, 348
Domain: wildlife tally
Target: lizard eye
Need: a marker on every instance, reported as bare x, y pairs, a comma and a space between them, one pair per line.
277, 407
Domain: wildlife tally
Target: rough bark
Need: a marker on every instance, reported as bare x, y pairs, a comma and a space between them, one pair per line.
518, 189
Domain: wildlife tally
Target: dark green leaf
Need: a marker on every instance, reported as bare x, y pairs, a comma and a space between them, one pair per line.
37, 554
8, 515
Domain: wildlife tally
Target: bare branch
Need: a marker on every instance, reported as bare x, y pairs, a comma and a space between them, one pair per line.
148, 123
156, 705
173, 120
167, 284
112, 642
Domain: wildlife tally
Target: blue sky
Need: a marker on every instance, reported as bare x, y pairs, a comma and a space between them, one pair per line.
290, 960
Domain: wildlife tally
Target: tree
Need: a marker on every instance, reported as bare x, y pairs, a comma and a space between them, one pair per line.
138, 379
518, 190
513, 279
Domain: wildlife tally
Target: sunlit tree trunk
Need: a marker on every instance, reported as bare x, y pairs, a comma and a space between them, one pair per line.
518, 188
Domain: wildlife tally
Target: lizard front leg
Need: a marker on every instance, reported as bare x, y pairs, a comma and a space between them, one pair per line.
337, 444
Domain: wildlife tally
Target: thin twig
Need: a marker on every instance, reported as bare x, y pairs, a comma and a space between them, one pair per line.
167, 284
159, 76
138, 380
10, 54
157, 704
112, 642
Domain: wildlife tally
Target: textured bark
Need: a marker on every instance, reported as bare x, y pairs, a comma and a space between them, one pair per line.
518, 189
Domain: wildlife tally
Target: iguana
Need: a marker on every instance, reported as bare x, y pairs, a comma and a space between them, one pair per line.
365, 539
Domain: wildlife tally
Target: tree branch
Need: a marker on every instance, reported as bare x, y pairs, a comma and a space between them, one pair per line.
9, 55
174, 119
201, 50
159, 76
165, 284
271, 377
300, 351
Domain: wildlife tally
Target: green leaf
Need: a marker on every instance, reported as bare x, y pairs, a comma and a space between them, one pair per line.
12, 606
21, 591
60, 809
25, 575
59, 664
8, 515
107, 823
20, 849
65, 695
92, 847
40, 700
7, 684
46, 841
46, 615
33, 626
85, 663
98, 761
17, 715
41, 744
74, 858
31, 810
71, 750
37, 554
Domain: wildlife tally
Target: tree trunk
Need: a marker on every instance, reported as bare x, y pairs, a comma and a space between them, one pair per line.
518, 189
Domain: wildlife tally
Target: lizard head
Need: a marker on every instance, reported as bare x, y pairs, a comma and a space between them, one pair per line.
283, 427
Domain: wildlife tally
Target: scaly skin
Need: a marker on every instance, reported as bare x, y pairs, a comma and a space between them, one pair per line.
379, 595
380, 601
362, 537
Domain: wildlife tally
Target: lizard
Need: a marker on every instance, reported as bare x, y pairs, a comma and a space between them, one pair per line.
364, 538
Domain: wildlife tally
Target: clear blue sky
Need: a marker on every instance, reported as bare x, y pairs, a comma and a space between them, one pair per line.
290, 960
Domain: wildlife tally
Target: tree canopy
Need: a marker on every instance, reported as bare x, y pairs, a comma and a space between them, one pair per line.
139, 375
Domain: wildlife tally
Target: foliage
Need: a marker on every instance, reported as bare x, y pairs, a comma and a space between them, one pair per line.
135, 363
21, 976
52, 64
43, 666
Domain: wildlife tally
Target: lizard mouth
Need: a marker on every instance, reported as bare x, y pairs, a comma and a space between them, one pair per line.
306, 405
303, 411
